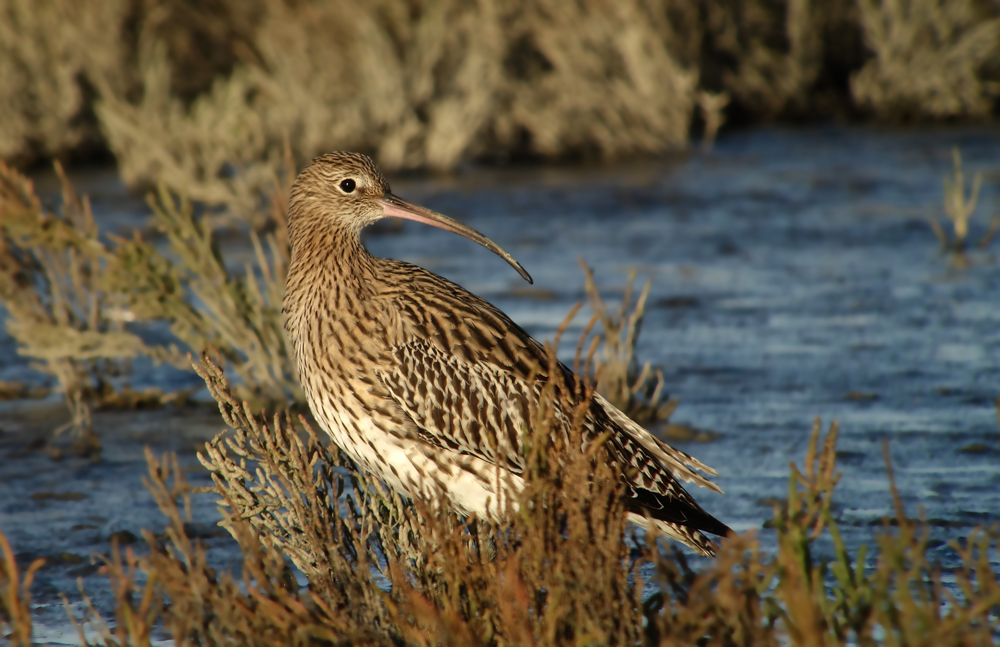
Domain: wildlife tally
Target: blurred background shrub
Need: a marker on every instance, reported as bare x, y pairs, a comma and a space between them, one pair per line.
187, 92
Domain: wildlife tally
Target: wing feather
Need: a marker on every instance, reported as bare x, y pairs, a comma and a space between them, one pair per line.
467, 376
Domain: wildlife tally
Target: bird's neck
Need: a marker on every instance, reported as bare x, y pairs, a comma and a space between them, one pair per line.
329, 286
330, 271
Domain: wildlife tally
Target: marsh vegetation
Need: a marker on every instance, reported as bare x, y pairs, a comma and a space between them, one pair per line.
959, 208
209, 108
560, 568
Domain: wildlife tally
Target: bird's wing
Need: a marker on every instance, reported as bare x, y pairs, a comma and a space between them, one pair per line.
481, 411
469, 377
470, 409
654, 452
448, 317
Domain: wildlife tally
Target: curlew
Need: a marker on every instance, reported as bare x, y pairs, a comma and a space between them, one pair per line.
421, 381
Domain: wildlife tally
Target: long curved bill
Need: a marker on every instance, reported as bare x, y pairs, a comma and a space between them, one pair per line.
399, 208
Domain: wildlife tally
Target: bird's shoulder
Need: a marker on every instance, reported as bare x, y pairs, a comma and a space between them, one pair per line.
436, 312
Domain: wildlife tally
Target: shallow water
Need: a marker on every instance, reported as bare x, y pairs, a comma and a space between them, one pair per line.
794, 275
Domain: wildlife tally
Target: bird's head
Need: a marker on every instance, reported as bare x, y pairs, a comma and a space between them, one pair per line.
347, 192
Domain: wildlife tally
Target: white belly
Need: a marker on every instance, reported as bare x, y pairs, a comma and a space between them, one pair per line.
410, 467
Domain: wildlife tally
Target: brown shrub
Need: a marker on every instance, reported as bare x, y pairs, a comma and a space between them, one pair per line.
15, 596
559, 569
556, 571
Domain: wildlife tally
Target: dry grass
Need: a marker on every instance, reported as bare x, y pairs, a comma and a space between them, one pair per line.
204, 302
930, 59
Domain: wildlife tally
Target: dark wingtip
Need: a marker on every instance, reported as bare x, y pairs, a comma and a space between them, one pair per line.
707, 523
662, 508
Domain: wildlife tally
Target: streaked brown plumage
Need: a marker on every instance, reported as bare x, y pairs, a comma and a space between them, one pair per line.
421, 381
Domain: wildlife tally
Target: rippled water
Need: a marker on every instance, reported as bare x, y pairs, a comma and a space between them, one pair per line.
794, 275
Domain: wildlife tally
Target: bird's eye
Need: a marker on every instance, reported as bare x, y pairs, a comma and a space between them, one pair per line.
348, 185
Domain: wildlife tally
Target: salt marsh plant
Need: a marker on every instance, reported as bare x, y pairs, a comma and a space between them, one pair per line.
76, 298
958, 208
52, 268
15, 596
206, 303
425, 86
636, 390
560, 569
217, 149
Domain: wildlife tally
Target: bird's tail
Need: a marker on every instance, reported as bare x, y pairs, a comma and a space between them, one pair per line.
687, 536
